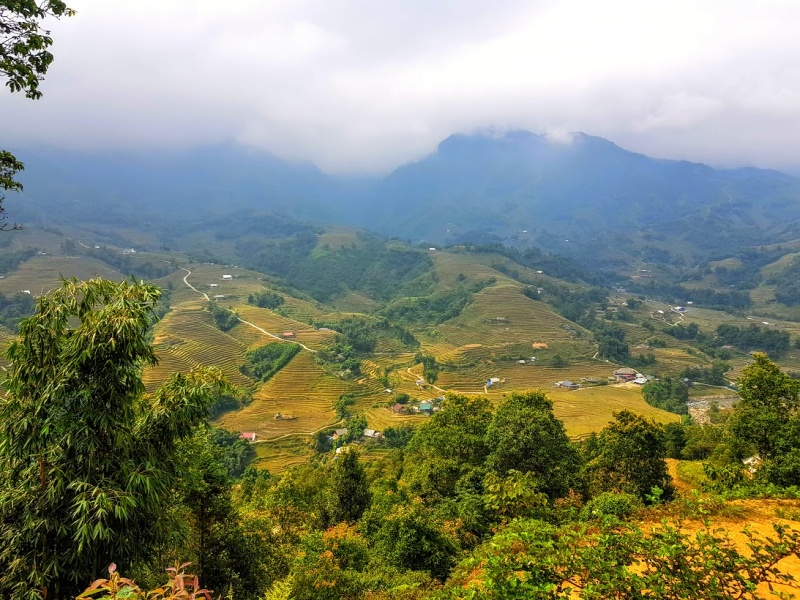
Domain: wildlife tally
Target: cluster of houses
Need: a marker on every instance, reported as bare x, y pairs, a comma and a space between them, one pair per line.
425, 407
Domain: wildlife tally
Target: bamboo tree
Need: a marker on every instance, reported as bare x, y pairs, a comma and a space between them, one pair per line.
86, 455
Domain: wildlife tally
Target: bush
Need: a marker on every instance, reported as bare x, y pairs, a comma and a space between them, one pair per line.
612, 504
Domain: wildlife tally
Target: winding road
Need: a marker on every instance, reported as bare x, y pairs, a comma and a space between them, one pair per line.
254, 326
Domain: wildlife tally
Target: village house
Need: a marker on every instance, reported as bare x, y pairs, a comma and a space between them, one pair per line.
371, 434
625, 374
398, 408
250, 436
227, 277
540, 345
213, 285
338, 433
426, 407
569, 385
288, 335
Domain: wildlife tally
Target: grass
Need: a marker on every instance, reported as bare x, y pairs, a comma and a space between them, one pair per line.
691, 473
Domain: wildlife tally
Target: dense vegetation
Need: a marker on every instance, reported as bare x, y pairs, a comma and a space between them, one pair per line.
270, 358
433, 518
15, 308
370, 265
265, 299
225, 318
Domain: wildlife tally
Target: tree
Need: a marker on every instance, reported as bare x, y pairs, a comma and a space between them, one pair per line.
448, 446
525, 436
769, 398
630, 458
24, 60
349, 493
88, 460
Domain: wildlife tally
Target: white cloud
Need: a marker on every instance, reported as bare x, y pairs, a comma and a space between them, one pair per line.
359, 85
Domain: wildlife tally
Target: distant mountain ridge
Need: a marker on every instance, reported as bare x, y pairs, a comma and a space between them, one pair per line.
521, 180
585, 190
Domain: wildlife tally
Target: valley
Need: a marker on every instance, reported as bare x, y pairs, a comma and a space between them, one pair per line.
503, 333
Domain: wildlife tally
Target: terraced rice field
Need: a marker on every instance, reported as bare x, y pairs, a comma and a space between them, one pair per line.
187, 338
381, 418
590, 409
522, 377
528, 321
41, 274
278, 456
275, 323
302, 388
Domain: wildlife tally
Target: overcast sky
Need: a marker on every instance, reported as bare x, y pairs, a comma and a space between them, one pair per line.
360, 86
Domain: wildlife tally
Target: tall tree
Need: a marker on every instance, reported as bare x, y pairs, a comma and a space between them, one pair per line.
86, 457
630, 457
525, 436
769, 398
349, 490
24, 60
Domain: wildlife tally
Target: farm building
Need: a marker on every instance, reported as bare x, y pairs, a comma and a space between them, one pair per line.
288, 335
219, 297
640, 380
625, 374
426, 407
213, 285
337, 433
521, 362
398, 408
540, 345
372, 434
227, 277
129, 251
250, 436
568, 385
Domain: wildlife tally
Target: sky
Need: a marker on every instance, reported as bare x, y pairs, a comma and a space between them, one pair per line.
362, 86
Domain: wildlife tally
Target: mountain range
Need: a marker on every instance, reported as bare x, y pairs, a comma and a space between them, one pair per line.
568, 196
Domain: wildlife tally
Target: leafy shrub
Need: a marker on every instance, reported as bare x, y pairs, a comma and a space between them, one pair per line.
614, 504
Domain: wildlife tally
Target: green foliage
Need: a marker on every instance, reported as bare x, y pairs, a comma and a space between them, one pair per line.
611, 343
88, 459
225, 318
436, 308
714, 375
667, 394
270, 358
753, 337
430, 368
398, 436
10, 260
266, 299
630, 457
341, 404
15, 308
611, 504
514, 496
410, 538
525, 436
787, 284
534, 560
235, 453
349, 494
371, 265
